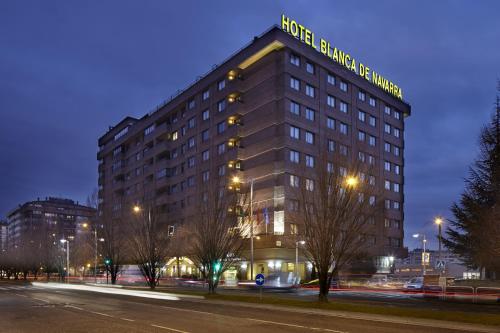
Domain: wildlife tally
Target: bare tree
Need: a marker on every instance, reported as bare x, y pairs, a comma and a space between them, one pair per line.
216, 231
337, 199
149, 241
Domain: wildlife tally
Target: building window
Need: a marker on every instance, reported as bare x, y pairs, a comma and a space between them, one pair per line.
205, 114
295, 60
191, 104
205, 155
310, 114
395, 205
371, 159
191, 162
343, 107
395, 187
330, 79
344, 150
309, 137
387, 166
330, 123
191, 142
294, 156
191, 122
309, 90
294, 132
343, 128
175, 135
295, 108
221, 170
372, 121
329, 167
361, 96
361, 136
221, 148
387, 110
387, 185
310, 68
372, 141
330, 101
387, 147
343, 86
294, 83
309, 184
149, 129
205, 95
221, 84
294, 181
396, 169
361, 156
221, 105
310, 161
221, 127
397, 114
293, 229
396, 132
205, 135
372, 101
331, 145
279, 222
205, 176
387, 223
396, 150
387, 128
361, 116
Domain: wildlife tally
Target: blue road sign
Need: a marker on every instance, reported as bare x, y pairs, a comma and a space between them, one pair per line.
259, 279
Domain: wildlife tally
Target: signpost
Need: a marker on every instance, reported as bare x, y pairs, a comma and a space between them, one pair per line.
259, 281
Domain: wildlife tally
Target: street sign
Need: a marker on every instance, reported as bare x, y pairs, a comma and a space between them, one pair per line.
259, 279
440, 264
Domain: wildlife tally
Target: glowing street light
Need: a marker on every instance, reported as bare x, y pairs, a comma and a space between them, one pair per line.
136, 209
439, 221
351, 181
67, 258
424, 254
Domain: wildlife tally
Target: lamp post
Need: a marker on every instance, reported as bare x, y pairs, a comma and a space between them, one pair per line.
236, 180
86, 225
67, 258
297, 258
424, 255
439, 221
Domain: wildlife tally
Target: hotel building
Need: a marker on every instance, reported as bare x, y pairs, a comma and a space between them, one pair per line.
271, 108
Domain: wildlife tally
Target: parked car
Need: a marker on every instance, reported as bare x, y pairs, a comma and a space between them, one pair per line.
414, 284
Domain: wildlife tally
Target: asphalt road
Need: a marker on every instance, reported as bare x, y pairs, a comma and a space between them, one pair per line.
25, 308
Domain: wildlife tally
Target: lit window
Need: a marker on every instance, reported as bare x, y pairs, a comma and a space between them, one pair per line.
387, 185
205, 114
295, 108
310, 68
343, 107
361, 116
309, 137
331, 79
330, 101
343, 86
175, 135
295, 60
330, 123
387, 166
310, 114
361, 96
294, 181
395, 187
294, 132
309, 91
294, 83
309, 185
310, 161
206, 95
397, 114
221, 84
387, 110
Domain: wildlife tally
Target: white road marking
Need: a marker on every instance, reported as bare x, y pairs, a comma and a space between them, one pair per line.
20, 295
294, 325
127, 319
169, 328
74, 307
101, 314
195, 311
43, 300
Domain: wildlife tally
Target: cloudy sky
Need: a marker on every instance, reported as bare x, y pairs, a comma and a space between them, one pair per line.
70, 69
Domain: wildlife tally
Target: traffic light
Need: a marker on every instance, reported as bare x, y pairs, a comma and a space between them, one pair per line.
107, 261
217, 266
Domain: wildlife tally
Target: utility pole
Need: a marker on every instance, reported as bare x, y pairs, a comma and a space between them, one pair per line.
251, 229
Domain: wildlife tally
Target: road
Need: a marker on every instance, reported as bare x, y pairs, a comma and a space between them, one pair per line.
27, 308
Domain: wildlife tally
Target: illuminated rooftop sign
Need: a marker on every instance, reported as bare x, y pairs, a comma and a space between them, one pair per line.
345, 59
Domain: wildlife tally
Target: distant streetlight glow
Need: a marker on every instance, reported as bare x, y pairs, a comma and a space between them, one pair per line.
137, 209
351, 181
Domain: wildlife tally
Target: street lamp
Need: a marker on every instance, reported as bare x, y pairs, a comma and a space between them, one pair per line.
424, 255
351, 181
439, 221
67, 258
297, 258
236, 180
86, 225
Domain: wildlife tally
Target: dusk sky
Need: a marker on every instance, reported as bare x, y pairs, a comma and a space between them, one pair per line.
70, 69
